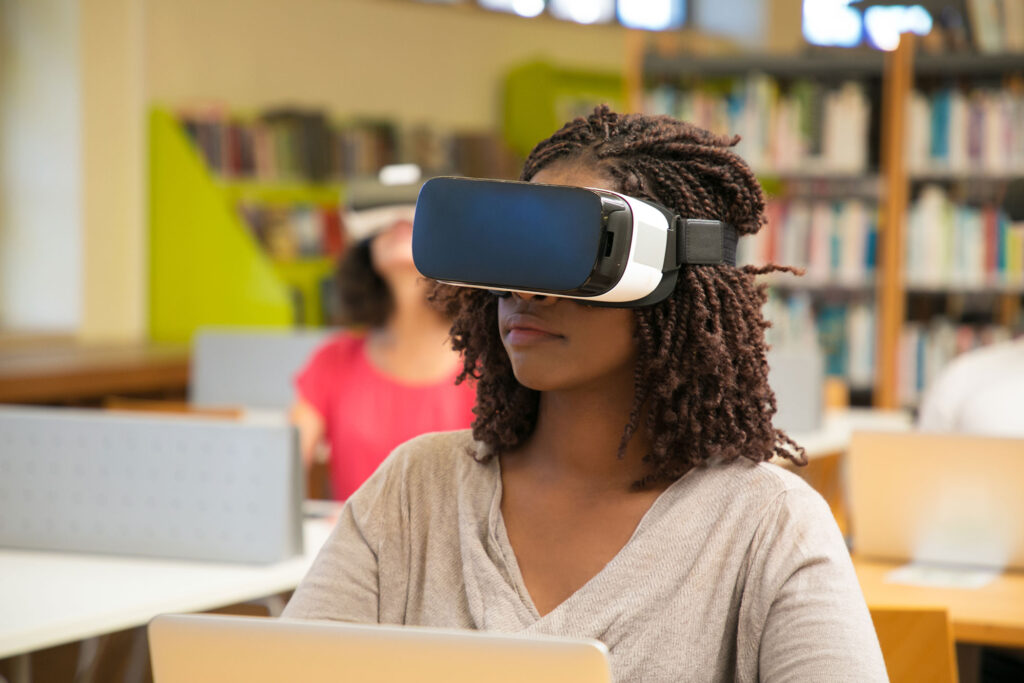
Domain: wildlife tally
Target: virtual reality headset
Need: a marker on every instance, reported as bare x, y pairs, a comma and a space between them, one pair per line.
595, 245
373, 206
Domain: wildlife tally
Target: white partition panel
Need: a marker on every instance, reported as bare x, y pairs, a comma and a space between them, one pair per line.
250, 368
179, 487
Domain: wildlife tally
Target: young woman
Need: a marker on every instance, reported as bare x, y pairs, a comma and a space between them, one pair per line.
615, 483
364, 393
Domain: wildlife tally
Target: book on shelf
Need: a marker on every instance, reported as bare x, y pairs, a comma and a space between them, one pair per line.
926, 348
281, 145
975, 132
997, 25
949, 244
295, 232
834, 241
305, 146
844, 330
955, 245
804, 126
362, 148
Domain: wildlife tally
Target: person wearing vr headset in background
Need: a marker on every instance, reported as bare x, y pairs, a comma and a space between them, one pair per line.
615, 482
391, 375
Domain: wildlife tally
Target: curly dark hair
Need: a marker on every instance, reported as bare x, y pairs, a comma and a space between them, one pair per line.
701, 378
364, 298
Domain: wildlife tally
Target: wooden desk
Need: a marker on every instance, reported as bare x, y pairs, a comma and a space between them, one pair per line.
991, 615
66, 372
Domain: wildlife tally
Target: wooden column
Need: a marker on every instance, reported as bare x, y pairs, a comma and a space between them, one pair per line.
633, 69
897, 81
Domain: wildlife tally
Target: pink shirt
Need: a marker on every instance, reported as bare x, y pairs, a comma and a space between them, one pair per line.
367, 413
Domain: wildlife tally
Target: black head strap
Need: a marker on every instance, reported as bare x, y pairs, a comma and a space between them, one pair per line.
699, 241
705, 242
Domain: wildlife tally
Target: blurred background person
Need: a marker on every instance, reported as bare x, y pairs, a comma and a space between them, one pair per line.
390, 375
980, 392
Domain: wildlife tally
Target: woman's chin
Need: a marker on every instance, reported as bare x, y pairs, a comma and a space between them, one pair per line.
537, 379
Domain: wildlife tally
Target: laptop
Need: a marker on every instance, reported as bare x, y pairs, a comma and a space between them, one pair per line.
203, 648
936, 498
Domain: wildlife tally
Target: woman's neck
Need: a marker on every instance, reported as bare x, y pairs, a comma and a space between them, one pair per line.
413, 344
576, 440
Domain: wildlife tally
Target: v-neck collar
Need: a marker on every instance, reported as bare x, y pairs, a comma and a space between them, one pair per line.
498, 535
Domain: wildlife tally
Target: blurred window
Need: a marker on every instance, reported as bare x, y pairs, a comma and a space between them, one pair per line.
883, 25
652, 15
583, 11
524, 8
831, 22
740, 20
835, 22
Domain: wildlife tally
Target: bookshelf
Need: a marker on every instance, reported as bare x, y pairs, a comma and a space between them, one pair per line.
877, 201
206, 266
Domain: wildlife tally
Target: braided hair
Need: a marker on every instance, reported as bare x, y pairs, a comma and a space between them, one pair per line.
701, 378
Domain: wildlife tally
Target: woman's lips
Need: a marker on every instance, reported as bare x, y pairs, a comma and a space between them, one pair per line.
527, 335
524, 331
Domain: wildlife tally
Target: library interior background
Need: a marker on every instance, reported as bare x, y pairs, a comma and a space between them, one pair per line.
174, 166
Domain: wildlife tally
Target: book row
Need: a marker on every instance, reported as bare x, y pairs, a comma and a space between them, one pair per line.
834, 241
295, 232
954, 244
950, 244
927, 348
289, 145
951, 130
805, 126
846, 333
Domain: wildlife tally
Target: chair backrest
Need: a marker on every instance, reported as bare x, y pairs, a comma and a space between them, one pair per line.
250, 368
917, 643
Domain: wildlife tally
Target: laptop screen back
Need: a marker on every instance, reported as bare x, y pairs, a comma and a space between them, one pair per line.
215, 648
939, 498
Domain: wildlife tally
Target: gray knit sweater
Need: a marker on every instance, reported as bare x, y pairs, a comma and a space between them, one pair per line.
736, 573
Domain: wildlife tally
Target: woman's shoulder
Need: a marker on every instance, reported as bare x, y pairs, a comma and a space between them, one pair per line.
438, 460
758, 486
343, 341
423, 473
763, 477
770, 507
337, 349
438, 445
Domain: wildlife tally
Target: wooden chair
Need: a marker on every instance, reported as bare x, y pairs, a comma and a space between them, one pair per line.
917, 643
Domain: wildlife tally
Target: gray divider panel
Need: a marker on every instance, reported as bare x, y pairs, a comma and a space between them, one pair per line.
797, 376
253, 369
173, 487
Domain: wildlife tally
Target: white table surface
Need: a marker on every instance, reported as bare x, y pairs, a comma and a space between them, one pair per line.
49, 598
838, 427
